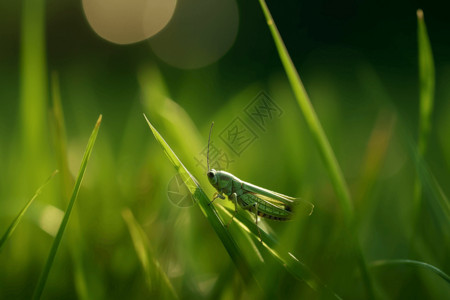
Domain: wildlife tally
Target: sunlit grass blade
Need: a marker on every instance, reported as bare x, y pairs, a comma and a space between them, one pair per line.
33, 89
325, 149
208, 210
60, 146
51, 257
59, 134
157, 280
286, 260
312, 120
426, 80
426, 92
16, 221
169, 114
408, 262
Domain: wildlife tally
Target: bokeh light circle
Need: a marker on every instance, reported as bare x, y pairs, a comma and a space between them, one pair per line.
200, 33
128, 21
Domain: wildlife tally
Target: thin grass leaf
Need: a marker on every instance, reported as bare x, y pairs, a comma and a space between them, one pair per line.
59, 134
51, 257
60, 146
426, 92
331, 163
16, 221
311, 119
414, 263
432, 189
154, 274
286, 259
426, 80
208, 210
33, 88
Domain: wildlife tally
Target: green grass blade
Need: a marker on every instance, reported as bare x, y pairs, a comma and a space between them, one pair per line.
426, 80
312, 120
426, 92
16, 221
208, 210
51, 257
327, 154
66, 182
33, 88
287, 260
408, 262
152, 269
59, 133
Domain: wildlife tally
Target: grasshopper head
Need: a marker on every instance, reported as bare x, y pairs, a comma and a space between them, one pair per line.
212, 177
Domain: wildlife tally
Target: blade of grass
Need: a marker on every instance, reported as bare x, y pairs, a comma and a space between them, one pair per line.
295, 267
33, 90
154, 274
286, 259
436, 201
60, 146
408, 262
208, 210
331, 163
427, 83
59, 133
51, 257
311, 119
16, 221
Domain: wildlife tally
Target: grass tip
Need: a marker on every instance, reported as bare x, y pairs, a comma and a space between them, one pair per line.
420, 14
148, 122
312, 210
99, 120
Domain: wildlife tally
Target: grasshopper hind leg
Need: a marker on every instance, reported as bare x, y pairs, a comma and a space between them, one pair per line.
256, 221
233, 198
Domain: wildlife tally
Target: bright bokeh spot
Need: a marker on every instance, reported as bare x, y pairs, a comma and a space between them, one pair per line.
128, 21
50, 219
200, 33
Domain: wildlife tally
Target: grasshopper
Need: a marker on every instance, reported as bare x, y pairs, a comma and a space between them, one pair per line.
260, 201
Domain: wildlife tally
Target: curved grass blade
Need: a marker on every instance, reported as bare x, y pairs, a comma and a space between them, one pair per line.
414, 263
326, 151
16, 221
51, 257
156, 278
208, 210
311, 119
287, 260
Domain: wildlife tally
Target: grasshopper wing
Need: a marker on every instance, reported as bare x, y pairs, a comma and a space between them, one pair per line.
291, 203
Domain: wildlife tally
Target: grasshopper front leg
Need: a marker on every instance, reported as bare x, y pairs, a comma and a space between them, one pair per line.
216, 195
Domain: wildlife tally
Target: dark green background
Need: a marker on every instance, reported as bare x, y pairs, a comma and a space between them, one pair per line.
357, 59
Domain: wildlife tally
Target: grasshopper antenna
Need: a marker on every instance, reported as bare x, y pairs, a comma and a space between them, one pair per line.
209, 139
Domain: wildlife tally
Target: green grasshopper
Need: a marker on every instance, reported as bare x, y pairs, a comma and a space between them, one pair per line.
262, 202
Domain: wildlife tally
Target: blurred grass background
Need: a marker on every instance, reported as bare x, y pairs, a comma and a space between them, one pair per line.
359, 64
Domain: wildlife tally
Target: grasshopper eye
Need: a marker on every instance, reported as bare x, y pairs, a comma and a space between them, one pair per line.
210, 174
